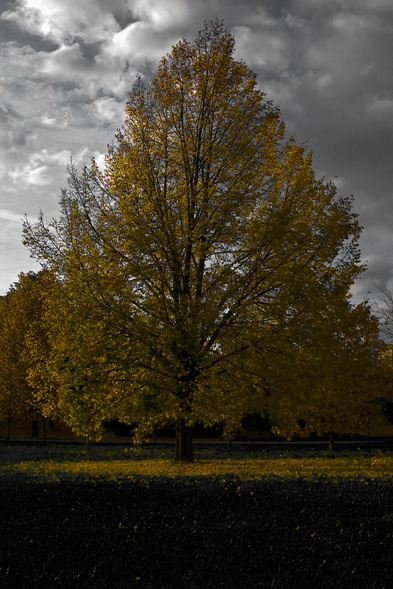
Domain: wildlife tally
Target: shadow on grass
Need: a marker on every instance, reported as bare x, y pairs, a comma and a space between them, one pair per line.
195, 532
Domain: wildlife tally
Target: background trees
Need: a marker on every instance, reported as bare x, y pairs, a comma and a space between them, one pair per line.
197, 264
27, 388
14, 390
345, 378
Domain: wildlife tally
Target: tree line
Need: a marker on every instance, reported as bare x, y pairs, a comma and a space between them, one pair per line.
202, 275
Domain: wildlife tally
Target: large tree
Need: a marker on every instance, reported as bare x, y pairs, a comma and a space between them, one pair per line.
192, 262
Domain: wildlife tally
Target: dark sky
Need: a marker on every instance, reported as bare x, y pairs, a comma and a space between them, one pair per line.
66, 67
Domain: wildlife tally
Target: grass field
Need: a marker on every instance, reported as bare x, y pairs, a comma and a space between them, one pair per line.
57, 463
124, 518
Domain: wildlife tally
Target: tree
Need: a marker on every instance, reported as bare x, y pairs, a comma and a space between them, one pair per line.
198, 253
345, 380
27, 388
383, 310
14, 391
80, 362
36, 291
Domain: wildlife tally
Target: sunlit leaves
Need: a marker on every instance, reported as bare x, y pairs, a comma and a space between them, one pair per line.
26, 383
200, 265
348, 467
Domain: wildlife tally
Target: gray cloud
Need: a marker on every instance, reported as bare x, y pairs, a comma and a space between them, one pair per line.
11, 32
61, 22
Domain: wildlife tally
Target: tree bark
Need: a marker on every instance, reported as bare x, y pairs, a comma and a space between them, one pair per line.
43, 427
9, 418
184, 449
34, 428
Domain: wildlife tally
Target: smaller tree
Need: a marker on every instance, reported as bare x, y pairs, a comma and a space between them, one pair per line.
15, 394
81, 362
37, 291
340, 378
383, 310
24, 351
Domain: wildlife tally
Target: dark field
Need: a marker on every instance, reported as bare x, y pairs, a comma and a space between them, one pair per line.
193, 532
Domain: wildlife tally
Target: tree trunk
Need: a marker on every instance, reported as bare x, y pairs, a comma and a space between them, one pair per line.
184, 451
9, 428
43, 426
331, 441
9, 417
368, 434
34, 428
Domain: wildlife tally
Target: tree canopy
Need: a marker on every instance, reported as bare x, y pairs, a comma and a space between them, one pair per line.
197, 265
27, 388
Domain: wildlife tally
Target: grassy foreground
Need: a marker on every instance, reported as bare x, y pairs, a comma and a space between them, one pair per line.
56, 463
125, 519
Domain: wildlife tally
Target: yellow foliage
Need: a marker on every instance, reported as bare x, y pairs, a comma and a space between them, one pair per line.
203, 271
350, 467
